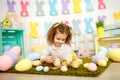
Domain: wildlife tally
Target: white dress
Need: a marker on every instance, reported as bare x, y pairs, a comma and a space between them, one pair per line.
62, 53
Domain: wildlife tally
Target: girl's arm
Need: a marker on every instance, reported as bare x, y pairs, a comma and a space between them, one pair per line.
48, 59
46, 56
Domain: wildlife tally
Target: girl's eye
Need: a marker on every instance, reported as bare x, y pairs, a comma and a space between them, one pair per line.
58, 38
63, 39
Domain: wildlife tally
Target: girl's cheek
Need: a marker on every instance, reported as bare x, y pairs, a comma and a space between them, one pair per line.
64, 42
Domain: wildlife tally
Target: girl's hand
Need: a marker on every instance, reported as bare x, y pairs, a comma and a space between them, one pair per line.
56, 67
49, 59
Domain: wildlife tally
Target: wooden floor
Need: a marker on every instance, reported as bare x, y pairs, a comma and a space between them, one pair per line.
112, 73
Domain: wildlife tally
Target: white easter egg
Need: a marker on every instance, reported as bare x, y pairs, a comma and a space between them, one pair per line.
46, 69
63, 68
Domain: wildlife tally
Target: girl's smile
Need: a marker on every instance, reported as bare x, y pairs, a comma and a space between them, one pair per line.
59, 39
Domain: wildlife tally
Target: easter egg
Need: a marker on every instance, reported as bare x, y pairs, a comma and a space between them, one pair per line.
16, 50
46, 69
97, 57
92, 67
102, 63
86, 65
5, 63
63, 68
36, 63
13, 56
6, 47
33, 56
39, 68
23, 65
114, 54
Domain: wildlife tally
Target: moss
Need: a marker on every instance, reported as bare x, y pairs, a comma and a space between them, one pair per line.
80, 71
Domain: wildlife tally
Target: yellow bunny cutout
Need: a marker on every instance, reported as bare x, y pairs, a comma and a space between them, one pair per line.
77, 8
33, 30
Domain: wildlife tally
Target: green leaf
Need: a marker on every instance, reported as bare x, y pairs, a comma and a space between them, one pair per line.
100, 24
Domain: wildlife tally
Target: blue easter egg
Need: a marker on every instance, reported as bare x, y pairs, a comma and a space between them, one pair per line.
39, 68
33, 56
103, 49
6, 47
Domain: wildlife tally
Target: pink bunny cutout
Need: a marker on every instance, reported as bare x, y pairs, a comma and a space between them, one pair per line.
24, 11
101, 4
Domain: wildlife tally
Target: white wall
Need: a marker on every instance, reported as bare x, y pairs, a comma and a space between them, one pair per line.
85, 41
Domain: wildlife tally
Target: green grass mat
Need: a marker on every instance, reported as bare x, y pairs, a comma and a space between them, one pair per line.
80, 71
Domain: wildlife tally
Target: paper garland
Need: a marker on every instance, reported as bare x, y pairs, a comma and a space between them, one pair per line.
11, 5
89, 28
47, 26
101, 4
33, 30
39, 6
116, 15
24, 11
89, 6
77, 7
53, 8
65, 9
76, 29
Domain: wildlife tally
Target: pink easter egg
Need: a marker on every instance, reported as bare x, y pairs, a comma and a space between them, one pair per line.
92, 67
5, 63
16, 50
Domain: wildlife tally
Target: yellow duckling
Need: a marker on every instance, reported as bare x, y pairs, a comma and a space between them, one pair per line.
75, 61
64, 62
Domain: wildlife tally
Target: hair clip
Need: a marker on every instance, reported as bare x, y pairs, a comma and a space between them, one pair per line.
57, 24
70, 30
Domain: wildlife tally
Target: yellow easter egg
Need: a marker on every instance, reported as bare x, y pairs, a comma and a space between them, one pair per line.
36, 63
114, 54
85, 65
102, 63
23, 65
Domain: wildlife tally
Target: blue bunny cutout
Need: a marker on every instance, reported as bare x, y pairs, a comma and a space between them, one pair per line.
89, 28
53, 10
47, 26
89, 6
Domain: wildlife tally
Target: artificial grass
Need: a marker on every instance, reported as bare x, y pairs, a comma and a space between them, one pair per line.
80, 71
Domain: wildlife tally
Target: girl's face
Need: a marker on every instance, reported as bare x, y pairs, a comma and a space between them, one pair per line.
59, 39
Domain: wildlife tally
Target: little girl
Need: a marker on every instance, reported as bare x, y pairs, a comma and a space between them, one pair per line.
58, 37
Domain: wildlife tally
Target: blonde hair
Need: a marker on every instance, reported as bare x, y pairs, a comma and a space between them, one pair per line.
62, 28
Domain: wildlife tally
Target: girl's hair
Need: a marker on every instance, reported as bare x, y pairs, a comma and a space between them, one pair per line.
62, 28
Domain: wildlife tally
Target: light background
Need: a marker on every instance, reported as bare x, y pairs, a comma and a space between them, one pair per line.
84, 40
